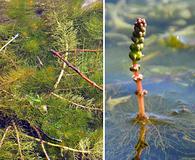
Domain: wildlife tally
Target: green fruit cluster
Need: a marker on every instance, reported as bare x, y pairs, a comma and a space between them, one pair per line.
137, 46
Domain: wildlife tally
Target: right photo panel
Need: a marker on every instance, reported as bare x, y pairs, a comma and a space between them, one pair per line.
150, 80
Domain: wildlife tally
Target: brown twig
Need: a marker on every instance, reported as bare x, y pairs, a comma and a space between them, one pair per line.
18, 140
41, 141
76, 104
76, 70
4, 135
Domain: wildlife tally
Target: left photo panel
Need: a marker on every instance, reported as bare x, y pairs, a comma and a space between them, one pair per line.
51, 79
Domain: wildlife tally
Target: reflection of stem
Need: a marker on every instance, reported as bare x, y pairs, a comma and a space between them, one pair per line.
141, 144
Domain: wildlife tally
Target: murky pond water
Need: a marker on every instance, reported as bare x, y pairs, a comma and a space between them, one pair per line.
169, 76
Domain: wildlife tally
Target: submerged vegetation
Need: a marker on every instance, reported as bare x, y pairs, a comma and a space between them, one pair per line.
168, 76
48, 111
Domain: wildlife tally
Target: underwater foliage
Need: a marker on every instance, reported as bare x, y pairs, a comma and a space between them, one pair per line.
39, 120
166, 132
29, 26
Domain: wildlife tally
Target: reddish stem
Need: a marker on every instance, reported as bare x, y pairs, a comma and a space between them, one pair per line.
55, 53
140, 95
140, 99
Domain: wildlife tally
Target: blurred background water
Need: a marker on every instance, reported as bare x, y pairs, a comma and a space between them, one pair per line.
169, 75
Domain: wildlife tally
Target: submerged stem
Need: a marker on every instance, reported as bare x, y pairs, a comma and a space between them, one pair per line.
4, 135
12, 39
18, 140
42, 144
58, 145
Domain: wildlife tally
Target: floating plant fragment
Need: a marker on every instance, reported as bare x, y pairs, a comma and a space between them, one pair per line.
173, 41
88, 3
112, 102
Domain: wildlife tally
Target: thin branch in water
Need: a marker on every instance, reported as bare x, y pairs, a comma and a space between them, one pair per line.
82, 50
7, 92
76, 104
13, 38
18, 140
60, 75
57, 145
76, 70
40, 62
4, 135
62, 71
41, 141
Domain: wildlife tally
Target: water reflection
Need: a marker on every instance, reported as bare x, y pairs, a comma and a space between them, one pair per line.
141, 143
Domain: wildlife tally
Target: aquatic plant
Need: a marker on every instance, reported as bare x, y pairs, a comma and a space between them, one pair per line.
163, 133
71, 112
170, 131
135, 55
30, 27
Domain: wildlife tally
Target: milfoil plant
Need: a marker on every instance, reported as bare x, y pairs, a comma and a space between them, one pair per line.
135, 55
